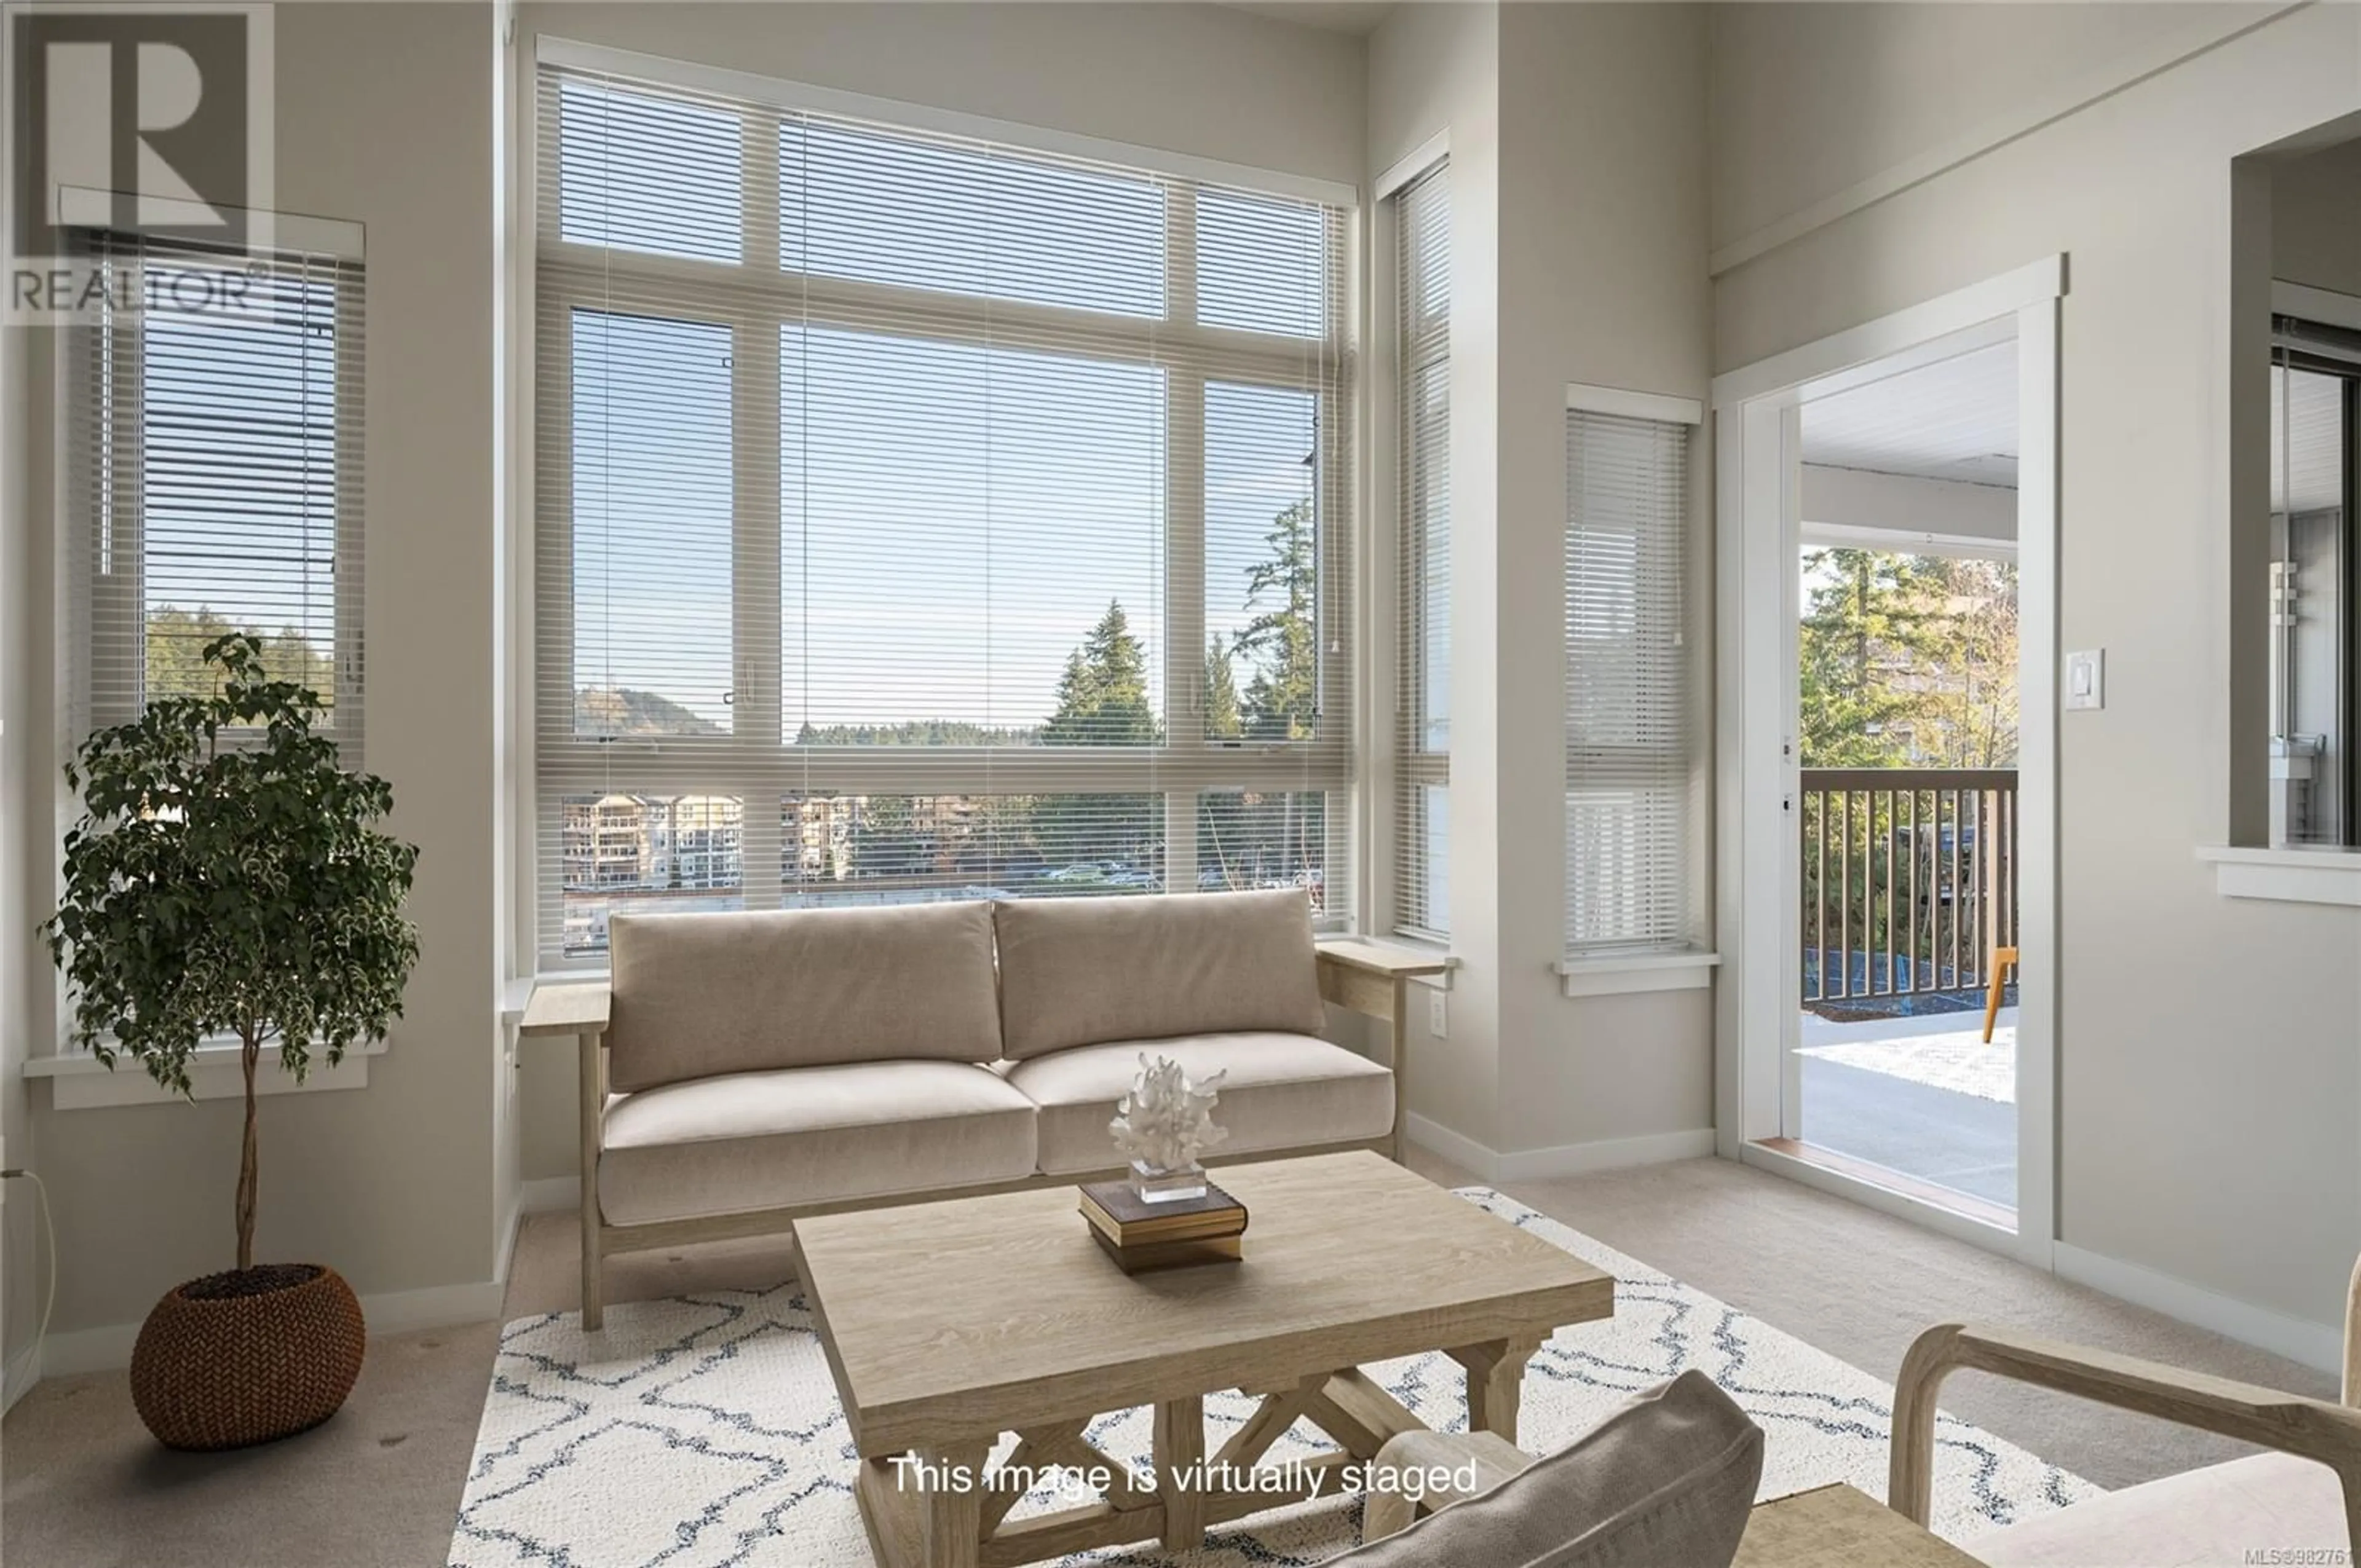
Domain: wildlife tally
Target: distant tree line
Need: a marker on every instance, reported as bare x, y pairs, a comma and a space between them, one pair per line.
1103, 699
175, 653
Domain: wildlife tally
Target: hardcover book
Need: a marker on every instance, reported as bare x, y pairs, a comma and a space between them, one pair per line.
1152, 1255
1117, 1212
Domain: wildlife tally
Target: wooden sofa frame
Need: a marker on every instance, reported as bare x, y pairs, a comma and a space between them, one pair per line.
1359, 976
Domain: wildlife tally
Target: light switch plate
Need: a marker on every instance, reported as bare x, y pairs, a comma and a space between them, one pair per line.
2086, 678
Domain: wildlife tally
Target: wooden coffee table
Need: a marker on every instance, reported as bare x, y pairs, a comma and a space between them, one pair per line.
948, 1324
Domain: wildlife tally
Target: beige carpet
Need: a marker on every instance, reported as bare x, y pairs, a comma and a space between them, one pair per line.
379, 1484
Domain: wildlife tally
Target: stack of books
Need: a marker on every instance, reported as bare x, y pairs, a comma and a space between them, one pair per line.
1177, 1234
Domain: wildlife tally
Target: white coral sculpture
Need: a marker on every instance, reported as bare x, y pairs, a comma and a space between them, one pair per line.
1166, 1120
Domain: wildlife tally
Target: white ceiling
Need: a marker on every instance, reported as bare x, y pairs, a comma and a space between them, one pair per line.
1955, 419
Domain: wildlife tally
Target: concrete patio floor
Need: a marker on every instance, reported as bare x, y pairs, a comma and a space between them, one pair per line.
1919, 1128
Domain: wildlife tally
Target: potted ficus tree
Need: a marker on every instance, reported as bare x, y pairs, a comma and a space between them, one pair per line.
227, 879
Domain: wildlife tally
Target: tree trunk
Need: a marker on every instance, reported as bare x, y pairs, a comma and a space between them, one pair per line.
247, 1172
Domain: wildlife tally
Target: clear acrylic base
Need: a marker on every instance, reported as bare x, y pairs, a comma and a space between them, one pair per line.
1167, 1186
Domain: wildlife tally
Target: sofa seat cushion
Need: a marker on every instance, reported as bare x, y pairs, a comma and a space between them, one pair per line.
2269, 1507
810, 1135
1283, 1091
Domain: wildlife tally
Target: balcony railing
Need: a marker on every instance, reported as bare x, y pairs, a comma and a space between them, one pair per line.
1909, 879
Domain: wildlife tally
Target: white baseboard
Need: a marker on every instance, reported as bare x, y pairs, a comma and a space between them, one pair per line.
505, 1255
1565, 1159
395, 1312
2316, 1346
1458, 1148
552, 1195
19, 1378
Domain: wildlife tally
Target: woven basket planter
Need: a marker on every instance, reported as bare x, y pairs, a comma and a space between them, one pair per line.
247, 1356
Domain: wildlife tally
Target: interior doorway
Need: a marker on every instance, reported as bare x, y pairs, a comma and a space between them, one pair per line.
1886, 731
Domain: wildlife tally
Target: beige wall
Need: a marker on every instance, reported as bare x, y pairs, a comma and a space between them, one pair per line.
2209, 1050
1434, 70
1890, 81
1603, 208
393, 1184
1579, 190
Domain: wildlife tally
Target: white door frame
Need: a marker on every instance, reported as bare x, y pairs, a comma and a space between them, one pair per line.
1756, 519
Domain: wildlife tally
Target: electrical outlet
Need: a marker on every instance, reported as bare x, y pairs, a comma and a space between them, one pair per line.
1438, 1014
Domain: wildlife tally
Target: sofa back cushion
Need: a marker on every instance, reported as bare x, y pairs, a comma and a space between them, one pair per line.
701, 994
1081, 971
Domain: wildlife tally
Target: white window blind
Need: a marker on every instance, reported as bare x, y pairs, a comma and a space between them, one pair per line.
214, 430
1627, 719
1422, 814
926, 517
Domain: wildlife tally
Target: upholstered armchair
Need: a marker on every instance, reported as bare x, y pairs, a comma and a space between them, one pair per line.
2300, 1502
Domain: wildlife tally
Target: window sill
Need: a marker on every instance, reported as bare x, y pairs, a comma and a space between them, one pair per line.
1631, 972
1415, 949
2286, 876
79, 1082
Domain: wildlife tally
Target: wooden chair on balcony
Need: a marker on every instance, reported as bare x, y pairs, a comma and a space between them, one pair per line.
2002, 960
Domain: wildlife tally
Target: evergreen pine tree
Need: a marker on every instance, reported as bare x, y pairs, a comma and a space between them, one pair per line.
1101, 701
1282, 699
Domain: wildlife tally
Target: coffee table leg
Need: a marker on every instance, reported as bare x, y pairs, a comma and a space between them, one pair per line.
1496, 1376
1179, 1471
912, 1523
952, 1520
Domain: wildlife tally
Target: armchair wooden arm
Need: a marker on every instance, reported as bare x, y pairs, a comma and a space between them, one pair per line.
2309, 1428
581, 1010
1373, 980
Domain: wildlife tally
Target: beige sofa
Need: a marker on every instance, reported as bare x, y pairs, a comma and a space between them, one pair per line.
739, 1070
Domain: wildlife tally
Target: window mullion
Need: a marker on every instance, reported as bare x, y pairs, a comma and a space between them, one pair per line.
755, 518
1184, 541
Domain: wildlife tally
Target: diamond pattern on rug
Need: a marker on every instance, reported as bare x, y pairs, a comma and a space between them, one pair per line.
703, 1432
1959, 1062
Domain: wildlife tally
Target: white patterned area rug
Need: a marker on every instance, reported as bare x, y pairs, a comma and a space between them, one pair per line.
1959, 1062
704, 1431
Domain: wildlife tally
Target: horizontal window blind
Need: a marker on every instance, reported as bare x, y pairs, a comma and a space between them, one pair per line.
1422, 814
926, 517
1627, 719
213, 426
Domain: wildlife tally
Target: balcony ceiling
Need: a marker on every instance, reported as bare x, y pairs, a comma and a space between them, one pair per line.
1955, 419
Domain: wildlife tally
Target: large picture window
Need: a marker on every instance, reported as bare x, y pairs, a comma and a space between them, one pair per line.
214, 423
1423, 706
926, 517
